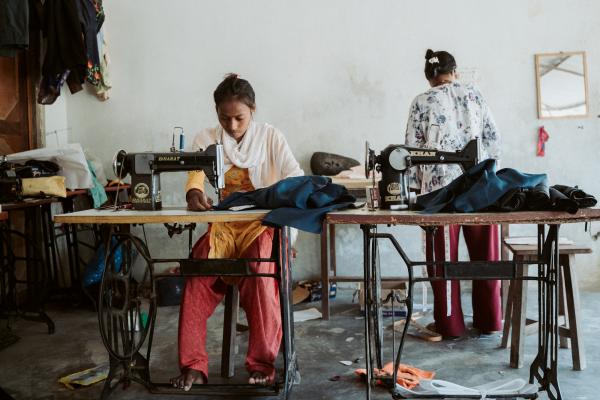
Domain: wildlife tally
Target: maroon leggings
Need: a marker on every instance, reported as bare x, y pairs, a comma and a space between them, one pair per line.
259, 297
482, 243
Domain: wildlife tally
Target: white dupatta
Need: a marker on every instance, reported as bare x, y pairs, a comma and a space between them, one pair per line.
263, 151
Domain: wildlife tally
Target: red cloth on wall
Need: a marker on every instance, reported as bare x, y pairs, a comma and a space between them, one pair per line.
542, 139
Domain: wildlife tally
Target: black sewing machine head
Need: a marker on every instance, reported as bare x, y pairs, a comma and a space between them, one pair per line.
10, 182
395, 161
145, 169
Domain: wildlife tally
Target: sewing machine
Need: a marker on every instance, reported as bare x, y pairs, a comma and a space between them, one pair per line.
395, 161
145, 169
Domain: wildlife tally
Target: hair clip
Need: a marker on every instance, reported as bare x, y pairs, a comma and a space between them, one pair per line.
433, 60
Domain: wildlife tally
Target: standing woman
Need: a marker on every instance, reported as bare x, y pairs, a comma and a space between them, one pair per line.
256, 155
446, 117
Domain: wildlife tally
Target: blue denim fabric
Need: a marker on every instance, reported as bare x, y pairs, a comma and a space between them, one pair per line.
300, 202
478, 189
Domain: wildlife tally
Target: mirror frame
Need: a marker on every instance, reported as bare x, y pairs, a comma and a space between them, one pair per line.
539, 90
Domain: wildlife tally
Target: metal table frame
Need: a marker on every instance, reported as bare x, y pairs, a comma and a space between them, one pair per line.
40, 260
543, 369
122, 297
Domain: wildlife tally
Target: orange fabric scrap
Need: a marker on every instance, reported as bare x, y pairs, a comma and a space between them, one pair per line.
408, 376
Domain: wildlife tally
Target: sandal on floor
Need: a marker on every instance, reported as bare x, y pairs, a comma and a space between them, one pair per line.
417, 330
431, 327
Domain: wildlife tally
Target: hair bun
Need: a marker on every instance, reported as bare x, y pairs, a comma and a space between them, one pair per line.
428, 54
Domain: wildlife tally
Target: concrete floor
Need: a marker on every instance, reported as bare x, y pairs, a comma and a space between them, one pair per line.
30, 368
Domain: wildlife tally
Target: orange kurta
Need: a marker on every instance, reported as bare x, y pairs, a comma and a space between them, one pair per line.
229, 239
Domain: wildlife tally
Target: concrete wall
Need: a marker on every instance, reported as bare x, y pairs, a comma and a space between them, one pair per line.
333, 74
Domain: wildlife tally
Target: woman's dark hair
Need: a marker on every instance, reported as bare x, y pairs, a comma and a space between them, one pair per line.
234, 87
438, 63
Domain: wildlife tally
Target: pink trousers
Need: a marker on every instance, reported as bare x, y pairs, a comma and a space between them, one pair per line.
259, 297
482, 243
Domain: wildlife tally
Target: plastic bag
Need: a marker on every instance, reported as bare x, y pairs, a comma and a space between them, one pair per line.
70, 159
95, 268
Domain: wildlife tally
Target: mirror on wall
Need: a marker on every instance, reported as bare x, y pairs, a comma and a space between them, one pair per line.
561, 85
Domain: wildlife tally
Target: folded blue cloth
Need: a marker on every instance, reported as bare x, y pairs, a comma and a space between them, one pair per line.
478, 188
300, 202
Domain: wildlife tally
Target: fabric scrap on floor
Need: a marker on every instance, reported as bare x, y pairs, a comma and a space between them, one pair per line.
408, 376
86, 377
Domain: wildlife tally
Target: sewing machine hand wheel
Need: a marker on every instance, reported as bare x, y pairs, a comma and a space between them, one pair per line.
369, 160
126, 306
118, 164
375, 315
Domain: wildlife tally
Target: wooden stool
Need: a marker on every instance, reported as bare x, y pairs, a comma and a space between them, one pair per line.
516, 306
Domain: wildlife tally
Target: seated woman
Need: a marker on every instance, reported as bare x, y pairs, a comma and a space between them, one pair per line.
256, 156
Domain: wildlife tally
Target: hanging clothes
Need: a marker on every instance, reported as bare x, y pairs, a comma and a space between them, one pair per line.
14, 27
91, 17
104, 85
72, 56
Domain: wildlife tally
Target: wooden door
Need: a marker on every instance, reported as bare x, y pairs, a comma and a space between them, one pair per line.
18, 126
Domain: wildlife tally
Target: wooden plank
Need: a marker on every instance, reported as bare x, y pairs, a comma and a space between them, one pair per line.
519, 319
574, 314
531, 249
364, 216
166, 215
508, 310
30, 202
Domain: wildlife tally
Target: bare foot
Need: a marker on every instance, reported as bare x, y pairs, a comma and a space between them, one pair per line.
187, 378
258, 378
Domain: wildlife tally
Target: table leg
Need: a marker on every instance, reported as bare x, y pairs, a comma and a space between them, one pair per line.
504, 256
292, 375
367, 311
544, 368
324, 274
332, 256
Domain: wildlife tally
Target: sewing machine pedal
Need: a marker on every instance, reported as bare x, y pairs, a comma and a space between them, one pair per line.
214, 267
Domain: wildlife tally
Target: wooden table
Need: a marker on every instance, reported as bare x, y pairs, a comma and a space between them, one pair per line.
168, 215
118, 286
329, 271
544, 367
45, 229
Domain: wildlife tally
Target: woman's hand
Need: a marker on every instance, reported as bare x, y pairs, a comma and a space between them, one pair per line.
198, 201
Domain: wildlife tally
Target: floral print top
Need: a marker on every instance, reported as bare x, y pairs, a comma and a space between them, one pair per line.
447, 117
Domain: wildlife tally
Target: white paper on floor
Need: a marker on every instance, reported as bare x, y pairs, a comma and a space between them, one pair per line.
307, 315
503, 387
